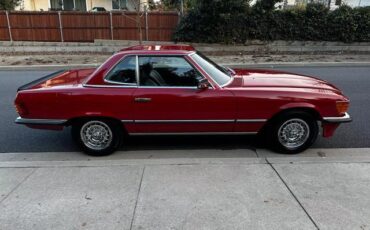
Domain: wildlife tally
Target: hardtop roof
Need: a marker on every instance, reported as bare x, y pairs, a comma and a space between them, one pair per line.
166, 47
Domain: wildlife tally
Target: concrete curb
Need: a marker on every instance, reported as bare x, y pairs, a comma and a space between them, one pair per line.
184, 161
229, 157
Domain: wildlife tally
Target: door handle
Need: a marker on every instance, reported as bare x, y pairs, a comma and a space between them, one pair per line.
142, 99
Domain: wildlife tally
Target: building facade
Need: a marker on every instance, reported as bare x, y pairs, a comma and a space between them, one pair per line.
80, 5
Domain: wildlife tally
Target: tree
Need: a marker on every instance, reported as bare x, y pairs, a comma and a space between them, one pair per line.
8, 4
176, 4
137, 4
265, 5
207, 19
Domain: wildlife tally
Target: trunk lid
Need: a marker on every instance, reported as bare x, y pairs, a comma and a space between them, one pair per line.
61, 78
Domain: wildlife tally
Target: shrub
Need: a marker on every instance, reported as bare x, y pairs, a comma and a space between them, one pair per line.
233, 21
214, 21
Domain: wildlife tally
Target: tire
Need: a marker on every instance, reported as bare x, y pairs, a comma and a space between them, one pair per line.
293, 132
98, 137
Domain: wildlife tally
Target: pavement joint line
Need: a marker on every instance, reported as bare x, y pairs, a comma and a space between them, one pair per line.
292, 193
19, 184
256, 152
137, 198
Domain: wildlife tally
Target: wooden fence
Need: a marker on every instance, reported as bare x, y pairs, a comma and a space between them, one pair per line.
85, 26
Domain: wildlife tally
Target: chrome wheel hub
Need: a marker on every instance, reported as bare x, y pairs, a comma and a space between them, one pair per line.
96, 135
293, 133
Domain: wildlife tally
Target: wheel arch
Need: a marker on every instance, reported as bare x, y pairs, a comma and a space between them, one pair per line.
75, 120
306, 109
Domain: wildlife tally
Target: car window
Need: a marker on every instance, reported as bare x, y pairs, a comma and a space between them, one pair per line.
167, 71
215, 71
124, 72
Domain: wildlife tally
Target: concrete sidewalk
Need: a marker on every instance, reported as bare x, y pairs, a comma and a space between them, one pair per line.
183, 189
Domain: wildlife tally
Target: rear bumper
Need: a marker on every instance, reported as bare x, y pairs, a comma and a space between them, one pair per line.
343, 119
27, 121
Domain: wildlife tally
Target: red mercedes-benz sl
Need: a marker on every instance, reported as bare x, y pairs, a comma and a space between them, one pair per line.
173, 89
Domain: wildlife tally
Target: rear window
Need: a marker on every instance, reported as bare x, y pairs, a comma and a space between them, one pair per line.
124, 72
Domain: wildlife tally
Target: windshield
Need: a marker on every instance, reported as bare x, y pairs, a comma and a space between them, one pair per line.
220, 74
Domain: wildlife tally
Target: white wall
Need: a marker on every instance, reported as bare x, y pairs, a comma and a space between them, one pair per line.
32, 5
107, 4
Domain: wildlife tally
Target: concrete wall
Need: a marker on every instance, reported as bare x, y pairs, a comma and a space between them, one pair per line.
109, 46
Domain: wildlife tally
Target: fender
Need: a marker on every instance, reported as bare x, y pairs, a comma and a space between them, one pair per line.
299, 105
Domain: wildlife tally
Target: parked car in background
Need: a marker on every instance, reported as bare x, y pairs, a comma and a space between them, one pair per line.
98, 9
173, 89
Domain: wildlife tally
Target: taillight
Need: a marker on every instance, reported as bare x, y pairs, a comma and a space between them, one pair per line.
342, 107
20, 108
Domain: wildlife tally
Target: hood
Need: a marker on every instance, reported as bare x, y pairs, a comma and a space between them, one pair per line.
63, 78
272, 78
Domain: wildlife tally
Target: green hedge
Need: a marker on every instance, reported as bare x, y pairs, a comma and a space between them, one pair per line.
222, 21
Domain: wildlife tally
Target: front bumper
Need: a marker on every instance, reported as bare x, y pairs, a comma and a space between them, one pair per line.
343, 119
330, 124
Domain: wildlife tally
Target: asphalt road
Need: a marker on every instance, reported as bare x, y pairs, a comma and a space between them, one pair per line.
355, 81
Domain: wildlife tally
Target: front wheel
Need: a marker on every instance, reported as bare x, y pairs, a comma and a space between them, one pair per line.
97, 137
293, 132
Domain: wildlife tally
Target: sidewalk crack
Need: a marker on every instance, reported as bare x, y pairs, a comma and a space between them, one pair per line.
137, 198
256, 151
19, 184
291, 192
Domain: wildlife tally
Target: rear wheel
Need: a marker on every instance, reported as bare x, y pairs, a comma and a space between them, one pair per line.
293, 132
97, 137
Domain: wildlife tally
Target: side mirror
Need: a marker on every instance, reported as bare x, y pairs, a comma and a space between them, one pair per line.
203, 84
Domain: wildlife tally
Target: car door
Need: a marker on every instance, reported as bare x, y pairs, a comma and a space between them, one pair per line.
167, 99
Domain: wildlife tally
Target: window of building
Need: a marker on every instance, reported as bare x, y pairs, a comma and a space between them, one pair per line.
119, 4
68, 5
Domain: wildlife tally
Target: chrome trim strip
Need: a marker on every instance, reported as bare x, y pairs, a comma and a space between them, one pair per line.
137, 71
167, 87
345, 118
127, 121
251, 120
194, 133
109, 86
158, 54
119, 83
184, 121
204, 121
21, 120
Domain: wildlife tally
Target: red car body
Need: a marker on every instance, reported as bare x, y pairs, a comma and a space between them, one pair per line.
242, 106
